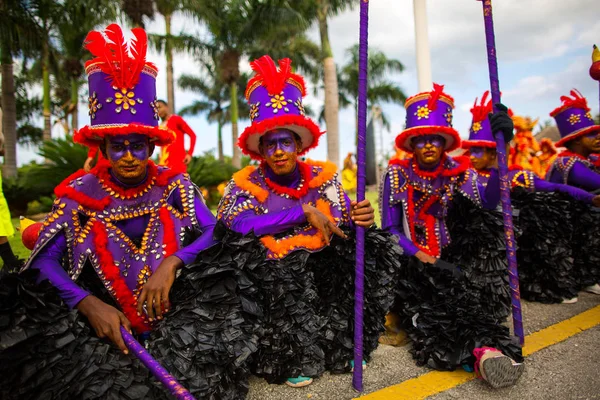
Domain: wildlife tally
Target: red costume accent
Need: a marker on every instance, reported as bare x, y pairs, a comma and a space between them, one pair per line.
173, 154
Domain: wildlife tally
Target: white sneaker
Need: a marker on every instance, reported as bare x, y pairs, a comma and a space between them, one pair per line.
570, 301
593, 289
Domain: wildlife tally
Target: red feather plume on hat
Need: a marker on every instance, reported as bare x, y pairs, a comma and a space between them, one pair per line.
121, 61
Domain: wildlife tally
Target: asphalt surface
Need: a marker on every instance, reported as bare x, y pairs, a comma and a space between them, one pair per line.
567, 370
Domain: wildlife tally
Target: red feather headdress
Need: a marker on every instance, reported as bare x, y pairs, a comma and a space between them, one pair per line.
121, 61
577, 101
273, 78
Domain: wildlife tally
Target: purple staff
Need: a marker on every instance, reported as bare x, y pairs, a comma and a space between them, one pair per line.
359, 278
511, 252
155, 368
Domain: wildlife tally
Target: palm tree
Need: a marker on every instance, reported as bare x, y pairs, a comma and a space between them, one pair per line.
17, 37
216, 98
380, 89
320, 11
136, 10
79, 17
235, 27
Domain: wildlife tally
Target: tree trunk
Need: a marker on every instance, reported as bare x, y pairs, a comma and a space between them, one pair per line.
236, 160
220, 140
169, 55
9, 114
331, 88
75, 104
47, 135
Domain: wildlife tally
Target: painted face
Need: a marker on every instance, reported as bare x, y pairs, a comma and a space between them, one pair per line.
482, 158
428, 149
280, 150
591, 142
163, 110
128, 156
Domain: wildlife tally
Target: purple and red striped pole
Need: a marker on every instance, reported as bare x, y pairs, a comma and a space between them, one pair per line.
359, 278
511, 250
164, 377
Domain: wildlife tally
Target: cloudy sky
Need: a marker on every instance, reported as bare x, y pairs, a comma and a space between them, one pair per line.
544, 50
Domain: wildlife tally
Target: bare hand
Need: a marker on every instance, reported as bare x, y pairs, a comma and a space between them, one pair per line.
106, 320
362, 213
425, 258
596, 201
87, 165
319, 221
187, 159
156, 291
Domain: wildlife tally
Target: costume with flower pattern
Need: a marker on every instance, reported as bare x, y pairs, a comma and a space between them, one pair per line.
105, 239
305, 288
440, 305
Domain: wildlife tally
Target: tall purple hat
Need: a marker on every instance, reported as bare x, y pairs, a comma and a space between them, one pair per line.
275, 98
429, 113
122, 89
480, 133
573, 118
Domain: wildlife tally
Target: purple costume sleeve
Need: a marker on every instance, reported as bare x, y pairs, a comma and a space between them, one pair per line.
207, 222
583, 177
267, 224
48, 262
391, 221
576, 193
491, 193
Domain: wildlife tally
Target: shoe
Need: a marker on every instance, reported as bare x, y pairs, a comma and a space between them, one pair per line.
298, 382
570, 301
364, 365
593, 289
500, 371
394, 338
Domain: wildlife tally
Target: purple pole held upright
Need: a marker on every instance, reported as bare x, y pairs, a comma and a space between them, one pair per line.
359, 278
511, 252
168, 380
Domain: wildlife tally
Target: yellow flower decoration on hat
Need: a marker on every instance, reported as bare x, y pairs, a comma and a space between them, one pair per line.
476, 127
574, 119
278, 102
422, 112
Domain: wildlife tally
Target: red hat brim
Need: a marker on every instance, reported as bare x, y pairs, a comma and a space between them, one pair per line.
467, 144
450, 134
92, 136
308, 131
577, 134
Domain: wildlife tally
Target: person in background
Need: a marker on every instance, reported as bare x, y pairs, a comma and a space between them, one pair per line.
174, 155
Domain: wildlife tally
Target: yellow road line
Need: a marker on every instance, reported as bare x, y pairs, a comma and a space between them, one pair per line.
435, 382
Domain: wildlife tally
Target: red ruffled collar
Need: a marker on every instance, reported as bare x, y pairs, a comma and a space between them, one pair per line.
295, 193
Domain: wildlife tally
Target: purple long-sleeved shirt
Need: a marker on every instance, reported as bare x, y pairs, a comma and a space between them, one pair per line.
393, 218
273, 222
574, 172
49, 259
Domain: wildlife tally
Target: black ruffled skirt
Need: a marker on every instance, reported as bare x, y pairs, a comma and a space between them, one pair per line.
478, 249
50, 352
445, 319
545, 249
587, 245
302, 306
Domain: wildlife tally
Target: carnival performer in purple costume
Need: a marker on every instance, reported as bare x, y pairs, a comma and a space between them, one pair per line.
302, 252
545, 245
579, 166
108, 255
437, 304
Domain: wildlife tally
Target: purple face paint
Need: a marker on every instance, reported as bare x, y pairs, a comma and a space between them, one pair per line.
280, 139
477, 152
435, 140
137, 145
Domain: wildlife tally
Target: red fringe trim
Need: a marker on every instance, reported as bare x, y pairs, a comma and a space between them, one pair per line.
101, 172
428, 174
124, 296
577, 134
64, 190
577, 101
428, 130
464, 163
432, 248
284, 121
170, 237
305, 172
467, 144
91, 136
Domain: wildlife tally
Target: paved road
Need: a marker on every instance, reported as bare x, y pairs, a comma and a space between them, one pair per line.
567, 370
